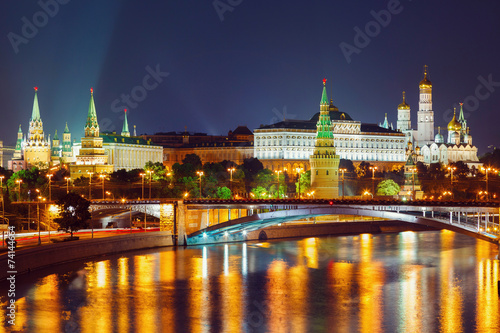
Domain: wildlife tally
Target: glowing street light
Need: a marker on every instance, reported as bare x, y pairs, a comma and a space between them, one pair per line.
110, 194
19, 181
90, 184
373, 168
50, 187
150, 172
487, 170
103, 177
142, 174
231, 170
67, 183
342, 170
299, 171
200, 174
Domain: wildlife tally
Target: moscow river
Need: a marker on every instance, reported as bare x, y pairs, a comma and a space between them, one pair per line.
435, 281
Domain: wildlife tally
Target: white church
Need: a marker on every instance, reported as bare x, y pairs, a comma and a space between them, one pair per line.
430, 148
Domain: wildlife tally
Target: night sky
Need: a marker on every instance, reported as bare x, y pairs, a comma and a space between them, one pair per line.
245, 63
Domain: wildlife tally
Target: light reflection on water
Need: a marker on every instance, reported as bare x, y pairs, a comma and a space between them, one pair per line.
407, 282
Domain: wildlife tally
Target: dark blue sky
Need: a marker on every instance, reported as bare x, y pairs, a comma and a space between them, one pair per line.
264, 60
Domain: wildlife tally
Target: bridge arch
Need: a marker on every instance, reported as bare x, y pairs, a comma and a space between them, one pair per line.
236, 230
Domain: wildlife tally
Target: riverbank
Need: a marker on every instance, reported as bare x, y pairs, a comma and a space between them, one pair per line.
30, 259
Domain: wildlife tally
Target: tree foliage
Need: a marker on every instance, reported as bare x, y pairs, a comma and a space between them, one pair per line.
223, 193
305, 182
74, 212
388, 187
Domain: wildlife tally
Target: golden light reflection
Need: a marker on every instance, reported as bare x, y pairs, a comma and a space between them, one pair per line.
366, 247
487, 302
198, 295
167, 278
411, 306
311, 251
298, 291
340, 277
277, 297
451, 303
146, 303
371, 280
123, 294
46, 305
233, 304
96, 315
408, 246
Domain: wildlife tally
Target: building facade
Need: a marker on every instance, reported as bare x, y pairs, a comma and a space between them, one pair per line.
36, 148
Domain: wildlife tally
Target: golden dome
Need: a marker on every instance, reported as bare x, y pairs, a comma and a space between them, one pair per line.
425, 83
403, 106
454, 125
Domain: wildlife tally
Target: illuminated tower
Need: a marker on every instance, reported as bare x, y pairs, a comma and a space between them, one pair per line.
425, 115
36, 147
125, 131
454, 130
404, 121
67, 146
324, 162
18, 152
462, 121
56, 149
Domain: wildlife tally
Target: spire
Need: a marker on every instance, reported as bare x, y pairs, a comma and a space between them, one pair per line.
35, 115
55, 137
19, 131
66, 130
92, 126
135, 131
125, 131
461, 117
386, 123
324, 96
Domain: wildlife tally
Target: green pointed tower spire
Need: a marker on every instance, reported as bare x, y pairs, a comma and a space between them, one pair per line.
324, 96
91, 126
125, 131
55, 137
35, 114
324, 124
66, 129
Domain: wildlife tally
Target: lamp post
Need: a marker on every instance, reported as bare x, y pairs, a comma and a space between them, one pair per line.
110, 194
451, 168
3, 207
487, 170
342, 170
200, 174
90, 185
19, 181
299, 171
142, 174
373, 168
103, 177
278, 172
231, 170
38, 218
50, 187
67, 184
150, 172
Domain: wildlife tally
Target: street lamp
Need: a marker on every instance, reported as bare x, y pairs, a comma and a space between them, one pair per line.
150, 172
487, 170
142, 174
451, 169
368, 193
19, 181
373, 168
200, 174
103, 177
90, 184
67, 184
342, 170
231, 170
111, 194
38, 218
50, 188
278, 172
3, 207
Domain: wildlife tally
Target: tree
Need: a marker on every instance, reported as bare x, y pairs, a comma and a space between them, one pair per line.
194, 160
74, 212
363, 170
388, 187
265, 178
346, 164
305, 182
223, 193
462, 170
259, 192
159, 171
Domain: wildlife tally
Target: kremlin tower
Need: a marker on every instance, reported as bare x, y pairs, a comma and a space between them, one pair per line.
324, 162
36, 148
